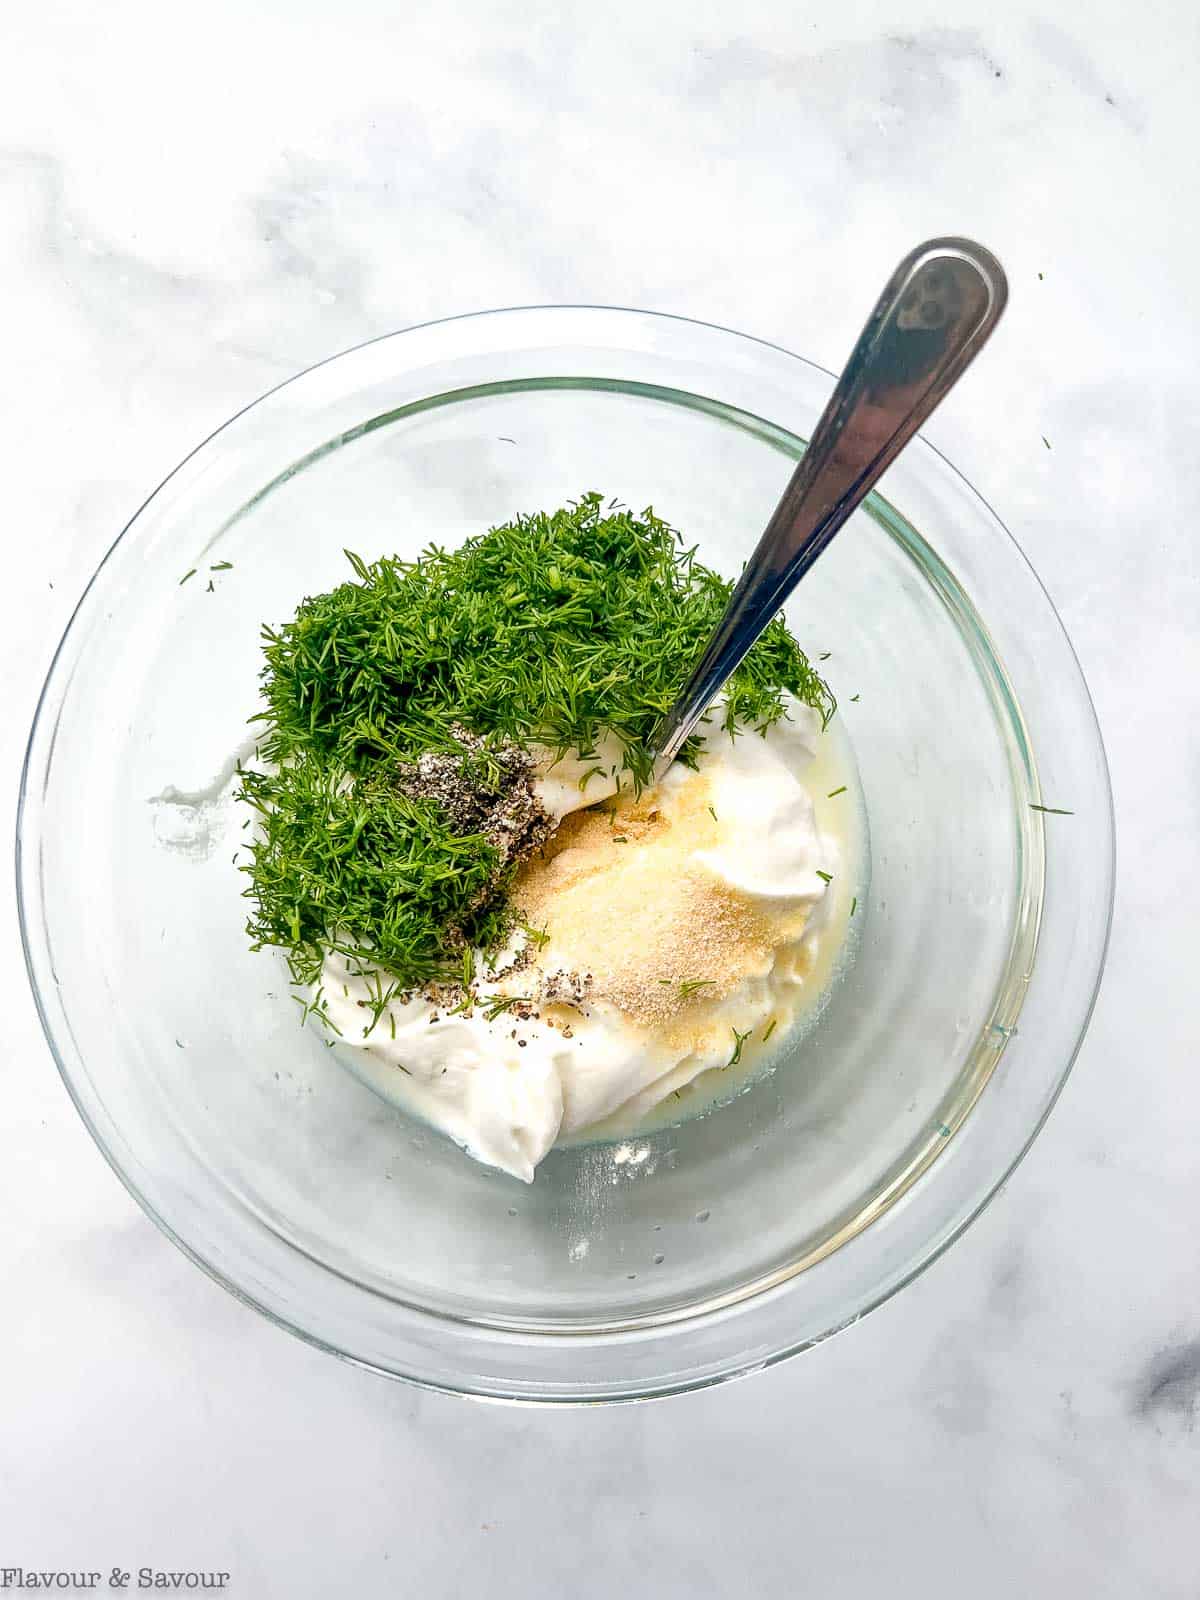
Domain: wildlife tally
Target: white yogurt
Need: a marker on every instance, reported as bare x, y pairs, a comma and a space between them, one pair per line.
508, 1089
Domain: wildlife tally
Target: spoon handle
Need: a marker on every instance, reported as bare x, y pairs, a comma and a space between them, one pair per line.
933, 317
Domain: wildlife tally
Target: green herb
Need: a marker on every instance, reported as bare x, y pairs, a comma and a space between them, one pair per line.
619, 838
379, 998
493, 1008
481, 636
770, 1028
353, 866
833, 793
539, 938
713, 814
690, 986
825, 655
855, 698
739, 1040
854, 905
1052, 811
1045, 441
212, 588
186, 576
553, 628
828, 876
315, 1006
221, 566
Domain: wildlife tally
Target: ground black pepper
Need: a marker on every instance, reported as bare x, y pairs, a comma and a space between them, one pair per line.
483, 789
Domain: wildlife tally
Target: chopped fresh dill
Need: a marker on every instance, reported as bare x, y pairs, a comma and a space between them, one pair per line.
828, 876
739, 1040
713, 814
854, 905
554, 628
771, 1026
493, 1008
221, 566
1045, 441
854, 699
212, 588
187, 575
833, 793
1053, 811
825, 655
315, 1006
365, 871
482, 636
690, 986
620, 838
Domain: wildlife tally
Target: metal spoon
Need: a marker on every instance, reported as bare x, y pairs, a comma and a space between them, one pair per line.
932, 319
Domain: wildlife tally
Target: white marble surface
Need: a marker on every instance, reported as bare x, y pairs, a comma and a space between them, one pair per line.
192, 206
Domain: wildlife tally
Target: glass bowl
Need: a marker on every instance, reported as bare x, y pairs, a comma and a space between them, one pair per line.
700, 1251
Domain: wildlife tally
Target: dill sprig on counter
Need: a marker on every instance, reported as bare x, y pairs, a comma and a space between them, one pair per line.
554, 628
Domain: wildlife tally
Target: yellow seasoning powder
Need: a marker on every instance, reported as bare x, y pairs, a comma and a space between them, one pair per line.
623, 902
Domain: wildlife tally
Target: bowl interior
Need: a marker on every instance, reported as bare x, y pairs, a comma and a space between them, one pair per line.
199, 1042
